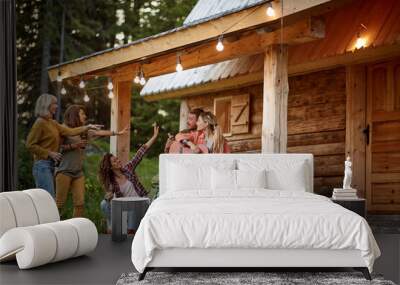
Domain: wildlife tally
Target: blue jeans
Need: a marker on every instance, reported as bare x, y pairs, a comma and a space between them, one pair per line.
106, 209
43, 172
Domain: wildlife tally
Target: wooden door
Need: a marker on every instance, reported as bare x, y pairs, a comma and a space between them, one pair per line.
383, 149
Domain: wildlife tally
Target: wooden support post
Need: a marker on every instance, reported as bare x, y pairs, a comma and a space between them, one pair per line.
355, 123
120, 118
184, 112
275, 100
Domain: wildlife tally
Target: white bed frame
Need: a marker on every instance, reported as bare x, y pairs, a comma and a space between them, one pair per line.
250, 258
234, 257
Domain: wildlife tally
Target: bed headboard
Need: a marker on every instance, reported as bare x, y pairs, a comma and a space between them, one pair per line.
210, 159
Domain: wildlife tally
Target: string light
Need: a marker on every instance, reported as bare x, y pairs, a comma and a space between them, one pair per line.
82, 84
142, 79
179, 66
220, 45
270, 10
59, 78
361, 41
136, 79
110, 86
86, 98
138, 75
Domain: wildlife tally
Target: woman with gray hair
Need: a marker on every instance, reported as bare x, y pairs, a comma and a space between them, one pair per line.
44, 141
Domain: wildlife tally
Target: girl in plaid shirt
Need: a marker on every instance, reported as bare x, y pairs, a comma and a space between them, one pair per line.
121, 180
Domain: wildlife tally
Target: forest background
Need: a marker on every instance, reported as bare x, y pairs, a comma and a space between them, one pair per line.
54, 31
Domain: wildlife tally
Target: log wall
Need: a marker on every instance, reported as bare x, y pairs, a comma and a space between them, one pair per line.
317, 124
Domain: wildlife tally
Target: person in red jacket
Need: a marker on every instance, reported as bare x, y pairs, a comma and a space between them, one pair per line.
210, 138
173, 144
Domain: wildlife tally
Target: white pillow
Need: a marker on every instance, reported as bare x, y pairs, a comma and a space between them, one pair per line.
193, 174
223, 179
281, 174
251, 178
181, 177
293, 177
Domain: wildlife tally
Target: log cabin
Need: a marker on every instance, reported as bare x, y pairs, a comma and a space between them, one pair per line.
318, 76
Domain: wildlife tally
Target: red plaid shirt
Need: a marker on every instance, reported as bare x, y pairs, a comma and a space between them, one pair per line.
129, 171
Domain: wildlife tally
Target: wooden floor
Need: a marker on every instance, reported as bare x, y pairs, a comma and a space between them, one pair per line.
110, 260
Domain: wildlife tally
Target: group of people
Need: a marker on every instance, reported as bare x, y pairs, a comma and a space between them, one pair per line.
58, 152
203, 135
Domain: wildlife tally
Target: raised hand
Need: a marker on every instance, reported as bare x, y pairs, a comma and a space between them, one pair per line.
156, 130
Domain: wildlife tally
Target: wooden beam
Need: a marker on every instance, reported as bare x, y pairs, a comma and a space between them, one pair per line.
120, 118
183, 115
248, 43
186, 37
365, 55
370, 54
275, 102
213, 86
355, 123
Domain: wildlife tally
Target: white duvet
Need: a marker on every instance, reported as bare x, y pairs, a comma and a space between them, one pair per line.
253, 218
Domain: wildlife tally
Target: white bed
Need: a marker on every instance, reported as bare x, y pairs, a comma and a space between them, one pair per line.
213, 211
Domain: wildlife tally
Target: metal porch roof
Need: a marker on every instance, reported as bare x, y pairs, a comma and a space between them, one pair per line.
204, 74
208, 9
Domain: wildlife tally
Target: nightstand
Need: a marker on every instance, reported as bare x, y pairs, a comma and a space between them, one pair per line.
356, 205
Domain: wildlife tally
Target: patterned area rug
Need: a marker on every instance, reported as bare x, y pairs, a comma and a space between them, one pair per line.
233, 278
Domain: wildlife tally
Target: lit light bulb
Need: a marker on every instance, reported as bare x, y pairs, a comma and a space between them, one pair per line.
179, 67
136, 79
59, 78
82, 84
360, 42
110, 86
220, 45
86, 98
270, 10
142, 81
110, 94
63, 91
